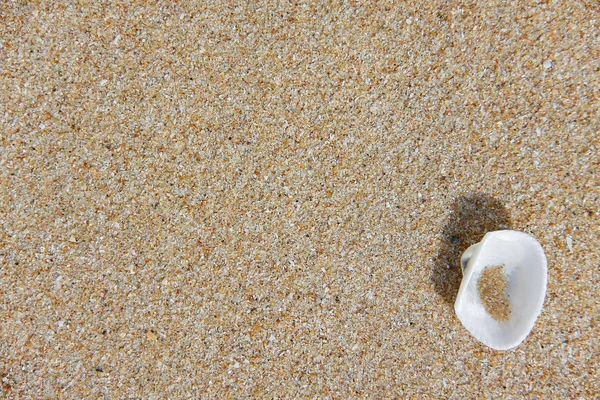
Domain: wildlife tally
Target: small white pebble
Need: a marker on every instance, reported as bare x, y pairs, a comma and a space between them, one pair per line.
236, 365
272, 338
57, 284
548, 64
570, 243
72, 239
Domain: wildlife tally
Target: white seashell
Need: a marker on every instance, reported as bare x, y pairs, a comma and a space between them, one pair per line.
526, 272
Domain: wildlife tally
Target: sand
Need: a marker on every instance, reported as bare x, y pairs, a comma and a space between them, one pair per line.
224, 200
492, 286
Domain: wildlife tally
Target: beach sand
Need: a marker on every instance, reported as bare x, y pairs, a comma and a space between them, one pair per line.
223, 200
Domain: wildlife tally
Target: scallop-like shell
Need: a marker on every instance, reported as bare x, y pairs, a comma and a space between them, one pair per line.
526, 271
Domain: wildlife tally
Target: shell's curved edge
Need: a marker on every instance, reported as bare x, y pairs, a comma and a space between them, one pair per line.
464, 259
527, 275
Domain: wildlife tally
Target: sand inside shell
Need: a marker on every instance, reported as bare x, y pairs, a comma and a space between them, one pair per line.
492, 287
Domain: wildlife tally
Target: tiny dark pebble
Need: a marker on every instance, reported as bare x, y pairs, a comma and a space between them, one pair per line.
455, 239
99, 369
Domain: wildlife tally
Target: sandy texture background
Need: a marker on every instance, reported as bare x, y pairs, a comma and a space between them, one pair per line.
226, 200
